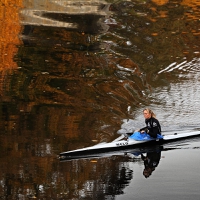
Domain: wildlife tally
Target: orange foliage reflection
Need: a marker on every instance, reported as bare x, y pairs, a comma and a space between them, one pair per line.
190, 3
193, 4
160, 2
9, 31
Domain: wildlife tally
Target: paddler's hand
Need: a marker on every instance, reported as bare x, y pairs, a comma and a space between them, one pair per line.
142, 132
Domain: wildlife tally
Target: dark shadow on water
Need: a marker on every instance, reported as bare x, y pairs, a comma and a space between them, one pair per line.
86, 23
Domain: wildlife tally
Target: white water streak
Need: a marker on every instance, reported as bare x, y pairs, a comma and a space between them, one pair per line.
185, 66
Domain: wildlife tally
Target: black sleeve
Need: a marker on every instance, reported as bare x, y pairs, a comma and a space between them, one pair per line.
158, 126
155, 128
142, 129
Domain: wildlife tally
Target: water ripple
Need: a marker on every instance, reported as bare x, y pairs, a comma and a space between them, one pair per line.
192, 66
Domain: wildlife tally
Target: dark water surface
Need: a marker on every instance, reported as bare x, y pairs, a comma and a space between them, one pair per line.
73, 73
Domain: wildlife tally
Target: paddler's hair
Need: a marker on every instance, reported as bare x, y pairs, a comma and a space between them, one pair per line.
150, 111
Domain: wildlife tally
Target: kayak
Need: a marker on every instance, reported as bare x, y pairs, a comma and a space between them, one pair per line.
133, 141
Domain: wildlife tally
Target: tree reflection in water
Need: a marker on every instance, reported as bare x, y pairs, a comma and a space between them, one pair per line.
69, 71
107, 176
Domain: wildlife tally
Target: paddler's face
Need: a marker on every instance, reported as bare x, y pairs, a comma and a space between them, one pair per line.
146, 114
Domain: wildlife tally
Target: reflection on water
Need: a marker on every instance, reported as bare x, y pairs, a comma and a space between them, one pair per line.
106, 176
71, 71
111, 174
151, 161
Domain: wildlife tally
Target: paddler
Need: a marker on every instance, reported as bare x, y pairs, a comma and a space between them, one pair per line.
152, 124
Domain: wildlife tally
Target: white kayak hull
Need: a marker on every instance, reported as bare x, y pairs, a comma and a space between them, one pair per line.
124, 144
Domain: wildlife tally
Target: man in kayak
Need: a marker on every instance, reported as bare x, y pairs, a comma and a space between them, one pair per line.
152, 127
